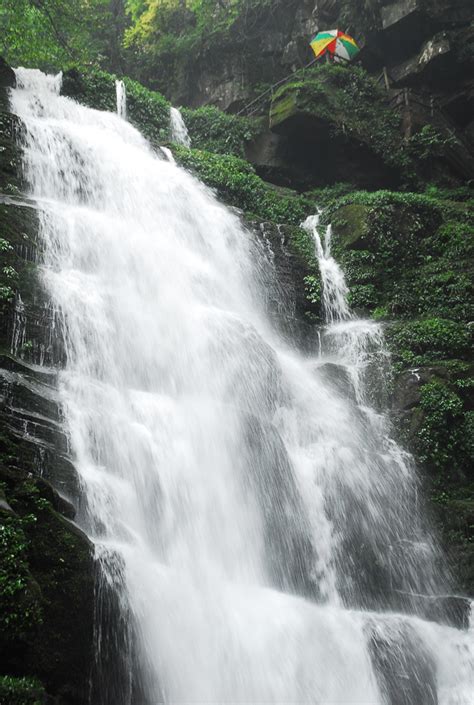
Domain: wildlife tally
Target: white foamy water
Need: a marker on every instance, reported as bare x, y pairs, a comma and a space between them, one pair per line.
179, 131
250, 512
121, 92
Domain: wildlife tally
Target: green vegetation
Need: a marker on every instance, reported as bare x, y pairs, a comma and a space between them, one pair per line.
145, 38
429, 143
21, 691
215, 131
236, 182
414, 248
165, 36
20, 608
441, 440
426, 341
53, 34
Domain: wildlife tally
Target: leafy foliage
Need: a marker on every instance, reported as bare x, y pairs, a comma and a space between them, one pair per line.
52, 34
216, 131
21, 691
429, 143
422, 342
237, 183
177, 25
20, 611
414, 248
441, 438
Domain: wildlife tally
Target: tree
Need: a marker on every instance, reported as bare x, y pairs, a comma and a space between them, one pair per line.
53, 34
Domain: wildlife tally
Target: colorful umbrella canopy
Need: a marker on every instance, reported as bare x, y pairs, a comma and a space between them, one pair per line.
335, 43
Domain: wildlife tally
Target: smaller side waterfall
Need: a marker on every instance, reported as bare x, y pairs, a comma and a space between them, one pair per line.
179, 131
335, 289
121, 99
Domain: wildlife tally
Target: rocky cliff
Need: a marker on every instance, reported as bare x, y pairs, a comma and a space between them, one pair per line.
420, 43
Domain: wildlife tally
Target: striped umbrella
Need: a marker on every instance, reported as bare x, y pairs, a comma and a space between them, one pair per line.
335, 43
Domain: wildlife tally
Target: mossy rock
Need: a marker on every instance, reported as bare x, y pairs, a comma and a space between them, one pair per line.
284, 107
351, 223
338, 116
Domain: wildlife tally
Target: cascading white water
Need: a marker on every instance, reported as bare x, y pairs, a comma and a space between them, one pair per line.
248, 507
179, 131
121, 92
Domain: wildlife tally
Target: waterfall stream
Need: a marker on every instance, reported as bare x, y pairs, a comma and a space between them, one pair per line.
258, 531
121, 93
179, 131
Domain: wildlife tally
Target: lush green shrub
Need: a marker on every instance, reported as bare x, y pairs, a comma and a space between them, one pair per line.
21, 691
414, 248
20, 611
429, 143
424, 341
216, 131
363, 296
237, 183
440, 440
328, 195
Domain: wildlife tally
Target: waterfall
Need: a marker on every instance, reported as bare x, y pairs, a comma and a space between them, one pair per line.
121, 92
258, 531
179, 131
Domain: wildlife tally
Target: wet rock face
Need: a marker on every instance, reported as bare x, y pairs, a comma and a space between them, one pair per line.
47, 601
263, 45
404, 669
266, 45
290, 556
289, 278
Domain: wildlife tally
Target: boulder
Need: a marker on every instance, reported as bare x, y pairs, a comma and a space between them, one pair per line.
452, 610
405, 15
338, 378
270, 155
